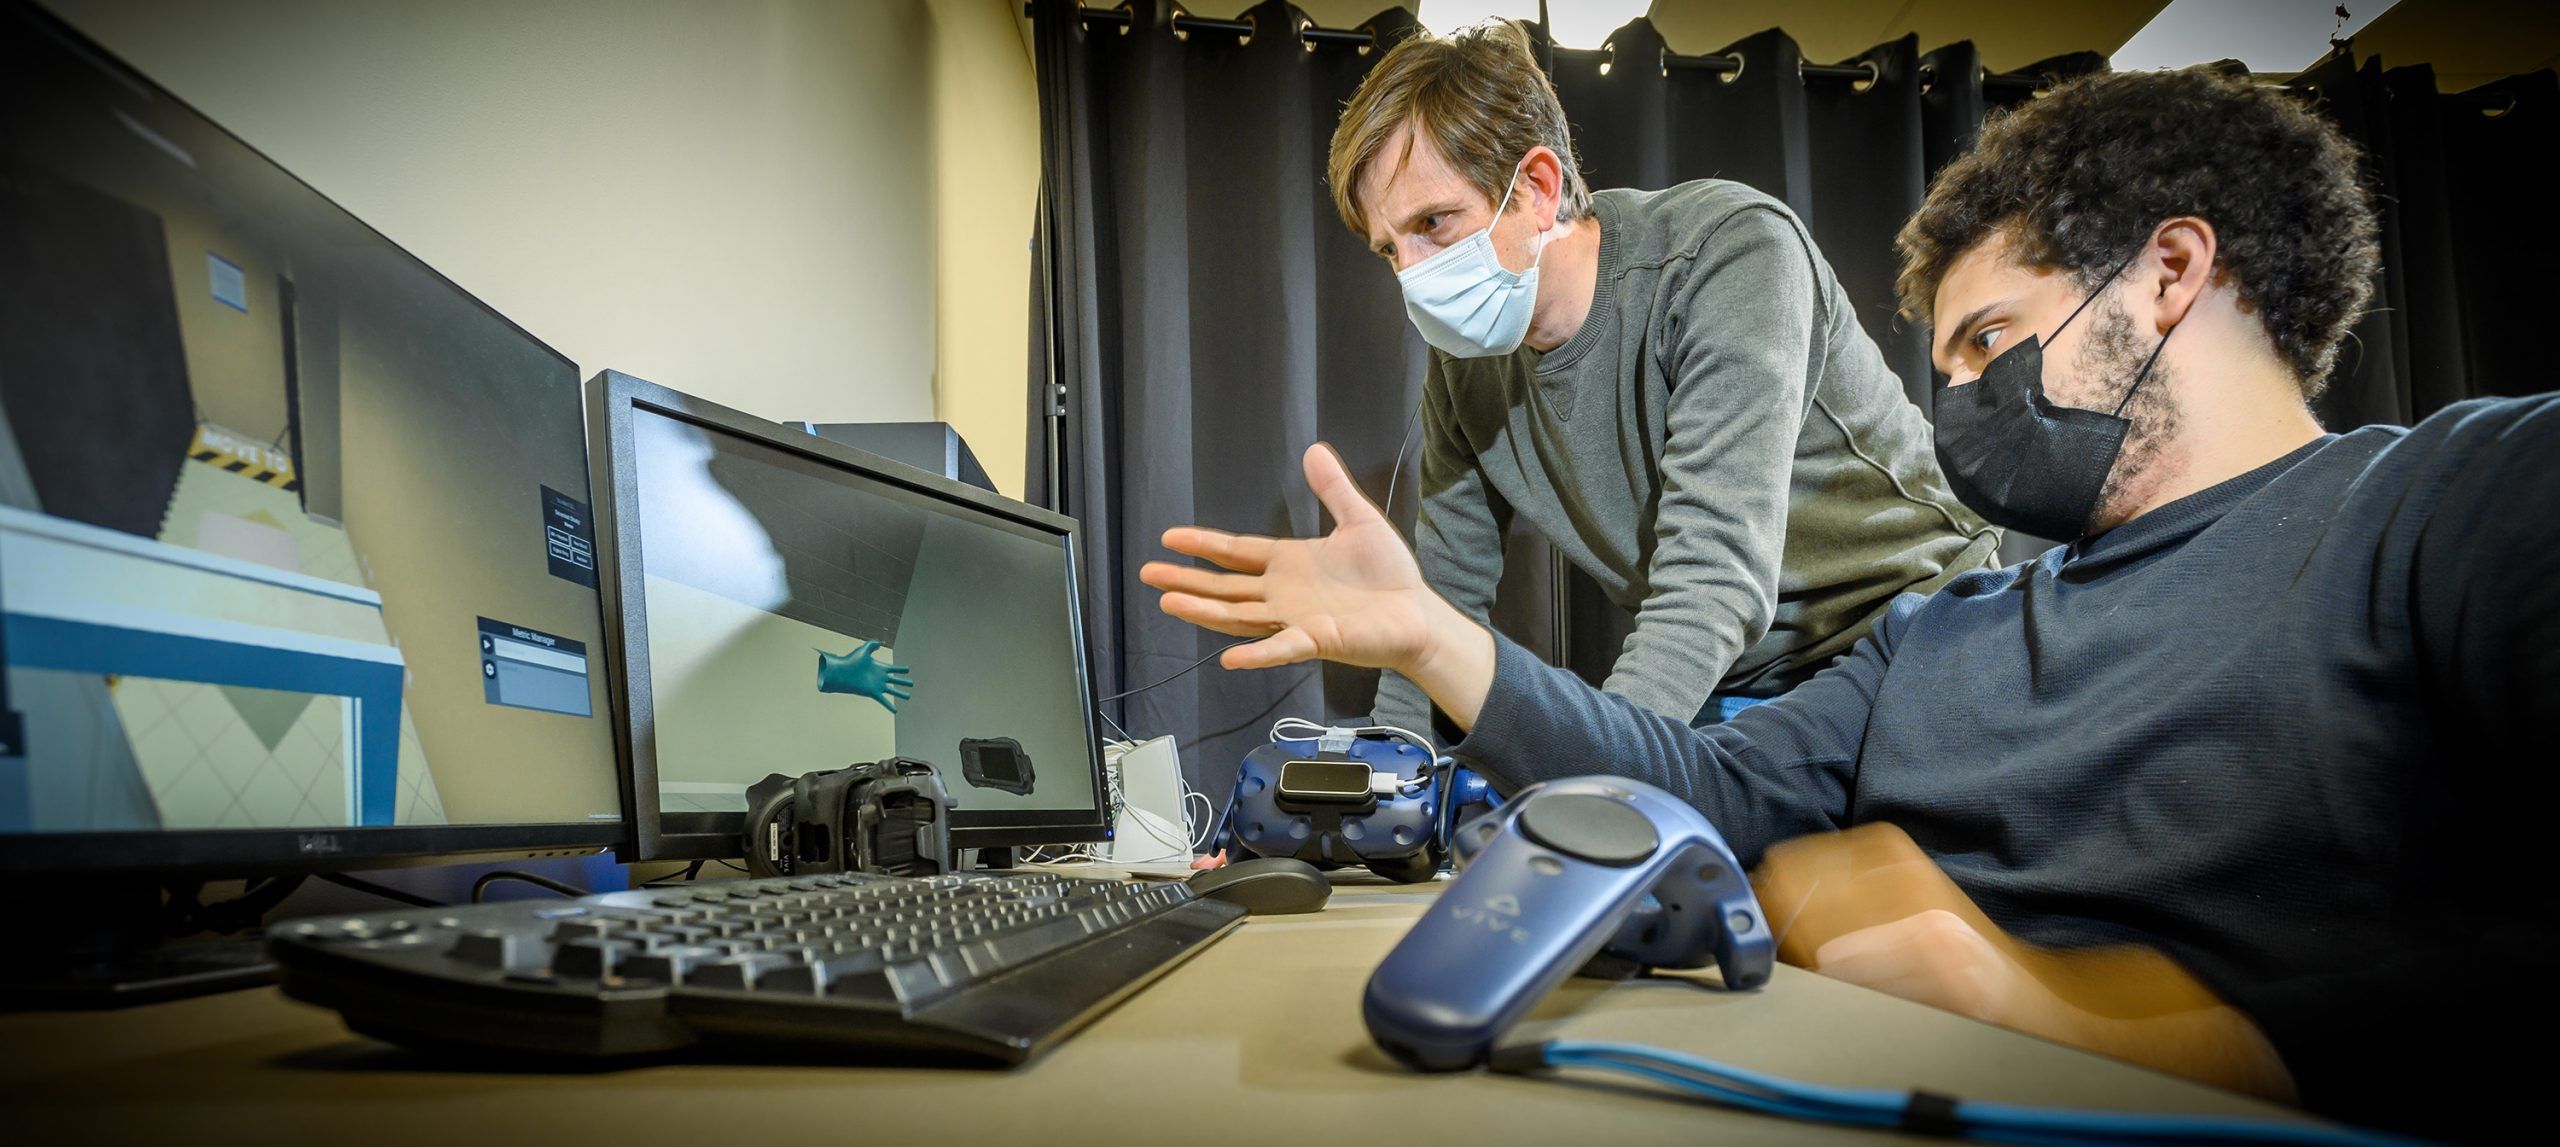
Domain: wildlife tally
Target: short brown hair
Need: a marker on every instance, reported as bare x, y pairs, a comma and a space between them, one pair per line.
1478, 95
2079, 179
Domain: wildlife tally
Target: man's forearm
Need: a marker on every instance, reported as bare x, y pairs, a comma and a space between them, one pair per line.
1679, 654
1454, 667
2215, 1045
1868, 906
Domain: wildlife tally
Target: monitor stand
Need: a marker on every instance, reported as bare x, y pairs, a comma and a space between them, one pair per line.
87, 944
992, 859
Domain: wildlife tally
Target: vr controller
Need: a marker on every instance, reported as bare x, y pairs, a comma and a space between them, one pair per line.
1560, 873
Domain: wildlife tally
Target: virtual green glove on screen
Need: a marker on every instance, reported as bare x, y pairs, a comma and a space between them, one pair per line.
859, 674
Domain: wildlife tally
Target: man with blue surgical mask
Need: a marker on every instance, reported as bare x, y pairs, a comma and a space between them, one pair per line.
1670, 386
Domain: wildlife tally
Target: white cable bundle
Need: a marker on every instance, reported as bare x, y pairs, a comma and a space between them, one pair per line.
1184, 840
1314, 731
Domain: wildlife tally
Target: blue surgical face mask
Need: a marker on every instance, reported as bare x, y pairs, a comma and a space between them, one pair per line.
1463, 300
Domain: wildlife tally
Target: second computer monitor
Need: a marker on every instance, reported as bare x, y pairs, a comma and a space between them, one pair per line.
789, 605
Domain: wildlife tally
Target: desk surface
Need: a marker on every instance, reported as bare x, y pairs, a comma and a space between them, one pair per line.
1256, 1040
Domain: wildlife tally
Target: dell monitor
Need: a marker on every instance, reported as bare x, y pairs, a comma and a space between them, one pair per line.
786, 605
295, 562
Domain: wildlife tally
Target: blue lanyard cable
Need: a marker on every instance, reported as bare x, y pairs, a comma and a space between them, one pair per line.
1873, 1107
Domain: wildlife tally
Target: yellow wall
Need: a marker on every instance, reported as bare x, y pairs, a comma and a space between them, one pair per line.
734, 199
986, 169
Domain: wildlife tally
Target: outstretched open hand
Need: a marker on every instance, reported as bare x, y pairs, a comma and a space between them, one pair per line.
861, 674
1354, 596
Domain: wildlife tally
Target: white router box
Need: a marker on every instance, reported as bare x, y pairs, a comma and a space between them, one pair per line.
1151, 824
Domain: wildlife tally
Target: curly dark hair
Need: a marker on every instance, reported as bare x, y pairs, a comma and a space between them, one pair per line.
2081, 177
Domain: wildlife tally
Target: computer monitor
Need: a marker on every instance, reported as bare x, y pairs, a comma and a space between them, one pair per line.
295, 561
764, 580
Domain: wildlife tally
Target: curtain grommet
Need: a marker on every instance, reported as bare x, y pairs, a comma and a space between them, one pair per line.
1735, 74
1183, 35
1858, 86
1609, 58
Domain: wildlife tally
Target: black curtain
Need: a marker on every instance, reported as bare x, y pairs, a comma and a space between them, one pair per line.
1201, 315
1201, 348
2469, 237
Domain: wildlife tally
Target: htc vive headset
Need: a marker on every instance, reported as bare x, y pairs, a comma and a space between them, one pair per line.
891, 817
1336, 800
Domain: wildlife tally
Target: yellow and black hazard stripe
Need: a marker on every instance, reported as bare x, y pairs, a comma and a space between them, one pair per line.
247, 457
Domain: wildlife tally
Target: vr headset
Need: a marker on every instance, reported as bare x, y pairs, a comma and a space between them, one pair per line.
890, 818
1337, 799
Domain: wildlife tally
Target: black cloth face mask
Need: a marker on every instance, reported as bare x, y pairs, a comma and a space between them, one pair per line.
2016, 457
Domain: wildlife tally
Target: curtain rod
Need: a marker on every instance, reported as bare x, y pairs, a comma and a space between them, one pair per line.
1184, 24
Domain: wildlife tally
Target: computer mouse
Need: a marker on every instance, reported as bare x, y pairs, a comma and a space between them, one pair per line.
1265, 885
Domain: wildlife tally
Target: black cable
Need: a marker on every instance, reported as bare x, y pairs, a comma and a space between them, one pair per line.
186, 915
739, 867
691, 871
384, 891
1115, 725
482, 884
1387, 509
1179, 672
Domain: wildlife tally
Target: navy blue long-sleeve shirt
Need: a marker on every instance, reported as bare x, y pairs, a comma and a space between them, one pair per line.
2291, 730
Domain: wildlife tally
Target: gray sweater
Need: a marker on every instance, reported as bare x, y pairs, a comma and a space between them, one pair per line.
1720, 447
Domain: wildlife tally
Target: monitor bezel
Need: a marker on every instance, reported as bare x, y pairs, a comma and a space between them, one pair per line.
291, 850
613, 398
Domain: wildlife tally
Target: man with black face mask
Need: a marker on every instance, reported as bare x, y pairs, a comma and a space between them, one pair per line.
2259, 730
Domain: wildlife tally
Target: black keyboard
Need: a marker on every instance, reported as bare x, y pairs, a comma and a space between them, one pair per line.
982, 967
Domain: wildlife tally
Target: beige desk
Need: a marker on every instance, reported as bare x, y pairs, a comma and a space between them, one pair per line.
1257, 1040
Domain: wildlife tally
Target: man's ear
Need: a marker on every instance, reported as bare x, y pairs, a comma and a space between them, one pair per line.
1543, 173
2180, 266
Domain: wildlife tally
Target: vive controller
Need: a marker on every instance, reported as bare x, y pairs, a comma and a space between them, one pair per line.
1562, 872
891, 817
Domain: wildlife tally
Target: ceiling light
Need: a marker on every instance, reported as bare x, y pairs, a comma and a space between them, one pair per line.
2271, 36
1446, 16
1587, 23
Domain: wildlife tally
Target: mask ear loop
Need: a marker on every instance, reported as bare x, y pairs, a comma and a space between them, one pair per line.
1540, 252
2103, 284
2127, 400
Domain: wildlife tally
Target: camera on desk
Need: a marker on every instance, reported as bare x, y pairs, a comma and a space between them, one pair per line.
891, 818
